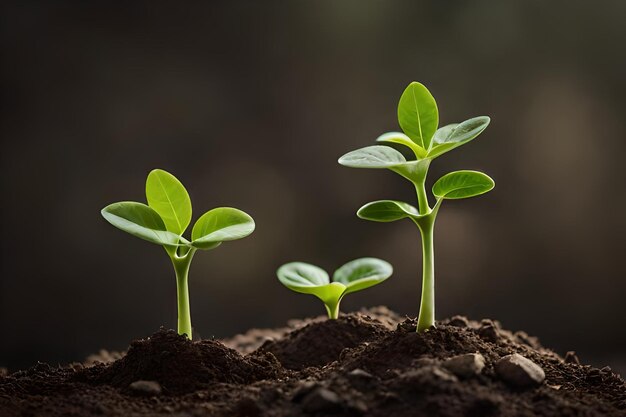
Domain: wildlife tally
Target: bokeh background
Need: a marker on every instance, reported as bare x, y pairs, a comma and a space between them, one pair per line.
250, 104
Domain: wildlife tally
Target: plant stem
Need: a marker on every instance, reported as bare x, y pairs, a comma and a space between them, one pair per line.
420, 186
333, 310
426, 225
181, 267
426, 318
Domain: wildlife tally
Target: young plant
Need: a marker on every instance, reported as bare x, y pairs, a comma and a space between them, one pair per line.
352, 277
419, 119
164, 220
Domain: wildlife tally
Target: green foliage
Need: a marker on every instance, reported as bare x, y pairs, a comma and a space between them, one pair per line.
356, 275
418, 116
164, 220
462, 184
141, 221
373, 157
220, 225
387, 211
457, 134
169, 198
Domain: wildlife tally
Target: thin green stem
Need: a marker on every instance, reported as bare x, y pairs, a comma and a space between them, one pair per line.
426, 225
422, 198
333, 310
181, 267
426, 318
420, 186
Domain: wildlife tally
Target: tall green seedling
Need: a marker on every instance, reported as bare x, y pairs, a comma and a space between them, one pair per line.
164, 220
418, 117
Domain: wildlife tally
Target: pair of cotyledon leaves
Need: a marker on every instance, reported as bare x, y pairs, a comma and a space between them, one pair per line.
168, 214
418, 117
354, 276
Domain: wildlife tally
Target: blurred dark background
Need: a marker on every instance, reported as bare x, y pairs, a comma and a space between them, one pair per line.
250, 106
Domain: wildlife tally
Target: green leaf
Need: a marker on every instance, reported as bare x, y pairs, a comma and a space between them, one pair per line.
310, 279
300, 275
462, 184
168, 197
454, 135
443, 133
139, 220
372, 157
387, 211
402, 139
219, 225
362, 273
418, 115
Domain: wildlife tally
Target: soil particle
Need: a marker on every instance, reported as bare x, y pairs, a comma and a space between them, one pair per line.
489, 332
459, 321
321, 400
570, 357
519, 371
372, 364
465, 366
103, 356
142, 387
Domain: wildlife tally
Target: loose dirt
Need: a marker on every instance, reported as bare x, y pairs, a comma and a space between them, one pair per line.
371, 363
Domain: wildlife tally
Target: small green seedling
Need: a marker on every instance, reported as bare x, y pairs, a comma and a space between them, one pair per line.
419, 119
164, 220
352, 277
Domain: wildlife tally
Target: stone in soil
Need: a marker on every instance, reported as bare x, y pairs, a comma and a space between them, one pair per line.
465, 366
519, 371
145, 387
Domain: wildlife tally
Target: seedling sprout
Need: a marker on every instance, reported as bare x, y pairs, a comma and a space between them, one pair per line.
418, 117
164, 220
352, 277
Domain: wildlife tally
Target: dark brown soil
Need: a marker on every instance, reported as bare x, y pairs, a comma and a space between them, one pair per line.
371, 364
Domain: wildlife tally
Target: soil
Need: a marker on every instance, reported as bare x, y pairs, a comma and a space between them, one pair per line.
370, 363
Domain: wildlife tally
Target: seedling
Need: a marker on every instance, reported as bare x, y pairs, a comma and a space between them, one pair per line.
419, 119
352, 277
164, 220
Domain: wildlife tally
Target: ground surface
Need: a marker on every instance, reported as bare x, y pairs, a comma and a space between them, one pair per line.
363, 364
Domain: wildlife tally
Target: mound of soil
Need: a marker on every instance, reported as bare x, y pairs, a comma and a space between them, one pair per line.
359, 365
321, 342
181, 366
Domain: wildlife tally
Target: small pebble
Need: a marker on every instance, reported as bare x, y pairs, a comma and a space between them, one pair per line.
489, 332
459, 321
360, 373
465, 366
424, 361
525, 339
426, 373
145, 387
594, 376
305, 388
322, 400
519, 371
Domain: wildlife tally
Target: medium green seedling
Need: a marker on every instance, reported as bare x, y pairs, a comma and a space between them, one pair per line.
354, 276
164, 220
418, 117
